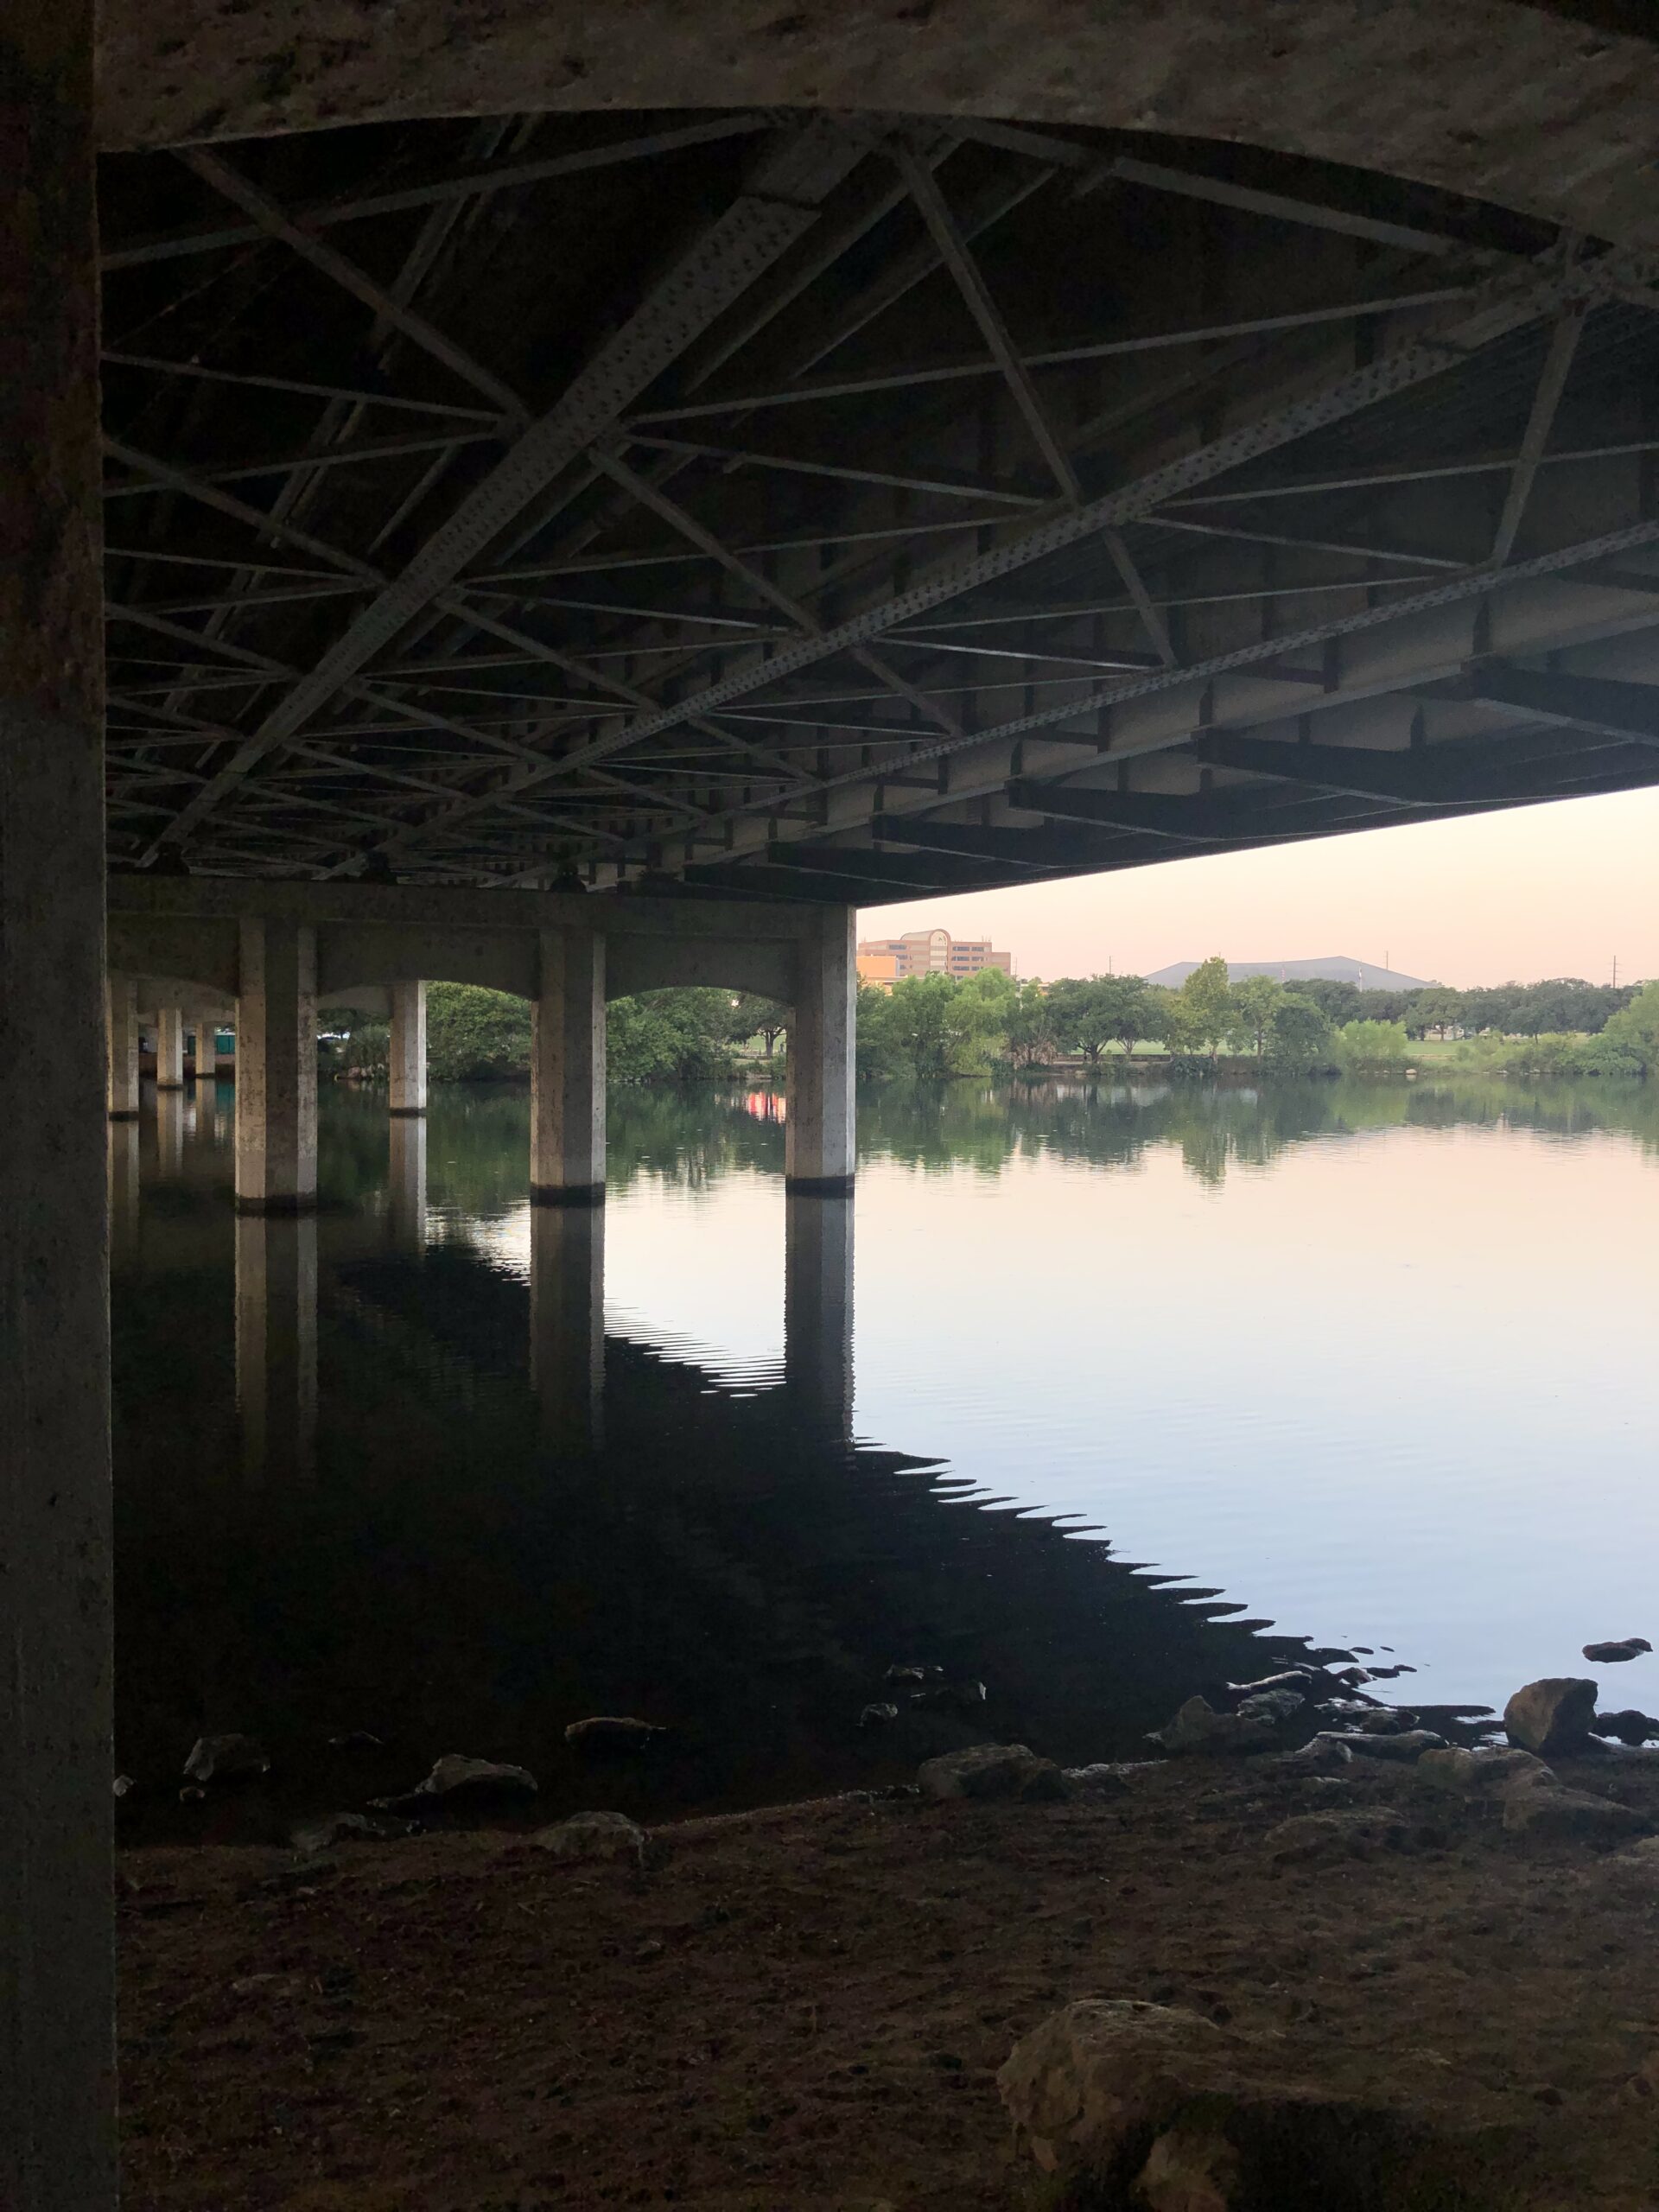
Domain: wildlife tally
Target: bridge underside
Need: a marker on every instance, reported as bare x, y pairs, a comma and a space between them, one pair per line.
851, 506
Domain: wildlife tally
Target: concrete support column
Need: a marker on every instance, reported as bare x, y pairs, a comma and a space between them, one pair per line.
566, 1071
820, 1133
57, 1991
406, 1183
276, 1067
206, 1056
170, 1048
122, 1046
818, 1310
566, 1323
409, 1048
277, 1345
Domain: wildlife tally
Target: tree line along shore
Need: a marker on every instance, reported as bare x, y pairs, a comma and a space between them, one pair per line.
930, 1029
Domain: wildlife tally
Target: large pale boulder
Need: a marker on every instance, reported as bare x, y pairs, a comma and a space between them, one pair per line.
1551, 1716
1129, 2103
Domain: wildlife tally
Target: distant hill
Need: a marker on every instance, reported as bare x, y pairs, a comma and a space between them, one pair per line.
1337, 969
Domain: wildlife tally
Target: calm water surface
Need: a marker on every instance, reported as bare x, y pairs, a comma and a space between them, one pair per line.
1135, 1389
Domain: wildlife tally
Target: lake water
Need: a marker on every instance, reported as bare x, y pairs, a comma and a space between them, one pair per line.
1129, 1390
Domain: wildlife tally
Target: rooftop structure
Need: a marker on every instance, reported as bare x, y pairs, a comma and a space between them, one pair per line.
1335, 967
888, 960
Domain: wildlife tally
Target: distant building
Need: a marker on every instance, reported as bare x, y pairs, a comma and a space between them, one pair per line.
1336, 968
888, 960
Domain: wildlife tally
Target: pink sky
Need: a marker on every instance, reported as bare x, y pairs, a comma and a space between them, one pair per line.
1555, 890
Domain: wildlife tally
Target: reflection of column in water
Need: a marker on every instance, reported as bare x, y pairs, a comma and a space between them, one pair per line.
406, 1183
567, 1323
123, 1191
169, 1131
277, 1345
818, 1309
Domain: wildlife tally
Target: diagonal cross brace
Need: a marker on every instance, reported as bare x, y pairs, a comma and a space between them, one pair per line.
752, 234
1506, 305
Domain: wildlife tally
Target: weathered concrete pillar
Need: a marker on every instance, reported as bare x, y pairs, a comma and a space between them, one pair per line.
818, 1309
277, 1345
276, 1067
170, 1048
122, 1046
566, 1323
406, 1183
409, 1048
206, 1055
819, 1135
57, 2001
566, 1071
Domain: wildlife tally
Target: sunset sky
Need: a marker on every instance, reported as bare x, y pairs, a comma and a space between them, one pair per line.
1540, 891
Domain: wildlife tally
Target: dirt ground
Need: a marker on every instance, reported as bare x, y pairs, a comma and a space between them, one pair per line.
805, 2008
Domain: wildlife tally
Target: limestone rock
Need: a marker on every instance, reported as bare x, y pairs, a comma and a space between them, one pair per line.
608, 1733
1358, 1834
1542, 1809
346, 1827
1614, 1654
1275, 1707
1629, 1726
1198, 1728
593, 1835
1097, 2081
1402, 1749
1106, 1779
1485, 1771
456, 1775
1322, 1757
878, 1716
225, 1758
1552, 1716
990, 1770
1191, 2167
1151, 2105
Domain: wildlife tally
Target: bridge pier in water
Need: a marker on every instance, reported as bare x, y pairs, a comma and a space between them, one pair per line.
275, 1066
407, 1054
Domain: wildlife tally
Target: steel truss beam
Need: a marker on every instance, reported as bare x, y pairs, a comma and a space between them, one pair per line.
1508, 305
758, 227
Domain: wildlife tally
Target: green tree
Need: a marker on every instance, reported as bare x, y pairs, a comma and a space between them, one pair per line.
1029, 1029
1207, 999
1632, 1035
1256, 1000
1298, 1038
754, 1016
1379, 1047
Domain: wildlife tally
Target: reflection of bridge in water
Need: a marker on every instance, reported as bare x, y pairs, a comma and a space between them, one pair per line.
431, 1549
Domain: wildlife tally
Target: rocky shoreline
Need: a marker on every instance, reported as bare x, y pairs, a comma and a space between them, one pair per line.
1360, 1970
